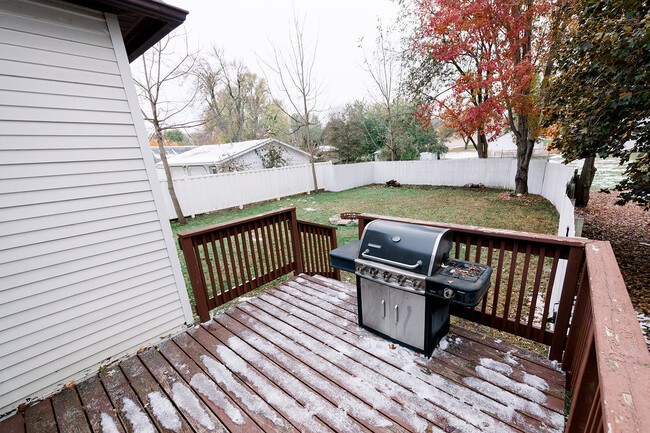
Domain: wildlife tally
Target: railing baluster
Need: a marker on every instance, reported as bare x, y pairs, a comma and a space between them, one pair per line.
484, 302
252, 242
549, 291
208, 264
226, 265
243, 263
522, 288
533, 301
217, 263
468, 247
497, 285
511, 279
244, 251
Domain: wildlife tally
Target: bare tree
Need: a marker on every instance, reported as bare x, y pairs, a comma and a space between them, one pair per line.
382, 70
162, 69
294, 71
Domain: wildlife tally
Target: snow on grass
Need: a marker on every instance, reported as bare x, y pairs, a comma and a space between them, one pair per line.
343, 399
496, 365
271, 394
535, 381
164, 411
522, 389
138, 419
108, 424
225, 378
238, 350
208, 388
186, 400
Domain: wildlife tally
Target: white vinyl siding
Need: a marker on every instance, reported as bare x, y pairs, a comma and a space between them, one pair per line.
88, 272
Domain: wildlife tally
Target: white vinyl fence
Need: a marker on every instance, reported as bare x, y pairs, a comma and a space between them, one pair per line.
201, 194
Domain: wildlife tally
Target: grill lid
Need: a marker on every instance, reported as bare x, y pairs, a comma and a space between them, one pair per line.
416, 248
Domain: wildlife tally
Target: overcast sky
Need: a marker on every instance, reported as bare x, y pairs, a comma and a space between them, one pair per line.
244, 29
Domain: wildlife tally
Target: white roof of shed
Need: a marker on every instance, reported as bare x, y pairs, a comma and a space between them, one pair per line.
217, 153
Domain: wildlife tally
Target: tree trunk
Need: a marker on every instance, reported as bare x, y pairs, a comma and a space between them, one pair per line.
310, 147
524, 154
482, 146
170, 183
584, 181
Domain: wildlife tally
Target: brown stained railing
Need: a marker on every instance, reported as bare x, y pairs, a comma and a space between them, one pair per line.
227, 260
317, 240
606, 358
525, 268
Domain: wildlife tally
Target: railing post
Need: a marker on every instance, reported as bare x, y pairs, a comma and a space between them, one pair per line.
574, 266
296, 243
198, 287
337, 272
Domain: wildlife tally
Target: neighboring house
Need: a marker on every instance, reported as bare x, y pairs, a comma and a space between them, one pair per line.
170, 151
227, 157
88, 266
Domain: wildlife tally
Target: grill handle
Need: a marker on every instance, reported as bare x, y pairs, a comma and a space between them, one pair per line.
365, 255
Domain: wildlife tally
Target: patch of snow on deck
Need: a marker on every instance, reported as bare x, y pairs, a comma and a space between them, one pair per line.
208, 388
496, 365
164, 411
108, 424
520, 388
462, 408
514, 401
223, 377
343, 399
138, 419
314, 403
443, 345
535, 381
186, 400
510, 359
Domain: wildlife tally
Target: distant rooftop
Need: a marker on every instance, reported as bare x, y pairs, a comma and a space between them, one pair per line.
217, 153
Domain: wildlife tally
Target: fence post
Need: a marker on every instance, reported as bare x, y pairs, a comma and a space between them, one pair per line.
198, 286
574, 265
296, 242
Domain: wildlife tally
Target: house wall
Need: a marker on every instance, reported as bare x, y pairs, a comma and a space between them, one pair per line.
88, 268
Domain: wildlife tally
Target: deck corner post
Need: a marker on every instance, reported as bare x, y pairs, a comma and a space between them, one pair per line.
574, 265
198, 287
296, 243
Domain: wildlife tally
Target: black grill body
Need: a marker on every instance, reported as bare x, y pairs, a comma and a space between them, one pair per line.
406, 281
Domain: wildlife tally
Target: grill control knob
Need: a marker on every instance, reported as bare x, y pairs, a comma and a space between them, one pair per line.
386, 275
373, 272
401, 279
360, 268
417, 284
448, 293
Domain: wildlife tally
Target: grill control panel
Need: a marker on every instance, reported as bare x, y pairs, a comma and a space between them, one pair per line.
397, 278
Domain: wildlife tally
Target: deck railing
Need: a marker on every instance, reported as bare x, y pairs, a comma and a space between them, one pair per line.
227, 260
606, 358
604, 355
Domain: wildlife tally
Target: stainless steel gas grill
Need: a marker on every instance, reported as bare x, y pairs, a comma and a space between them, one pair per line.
406, 281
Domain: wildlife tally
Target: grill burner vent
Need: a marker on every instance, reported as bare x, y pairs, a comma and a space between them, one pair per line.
406, 281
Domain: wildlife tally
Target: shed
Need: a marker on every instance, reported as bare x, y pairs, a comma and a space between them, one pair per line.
88, 267
239, 156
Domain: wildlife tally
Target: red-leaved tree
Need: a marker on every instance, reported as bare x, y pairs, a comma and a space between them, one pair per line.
493, 56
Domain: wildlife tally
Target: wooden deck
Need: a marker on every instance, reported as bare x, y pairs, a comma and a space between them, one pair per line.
294, 359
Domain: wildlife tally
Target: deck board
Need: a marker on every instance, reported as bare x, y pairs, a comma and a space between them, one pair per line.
294, 359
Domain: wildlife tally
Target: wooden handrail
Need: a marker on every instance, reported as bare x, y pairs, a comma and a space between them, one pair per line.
227, 260
607, 359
